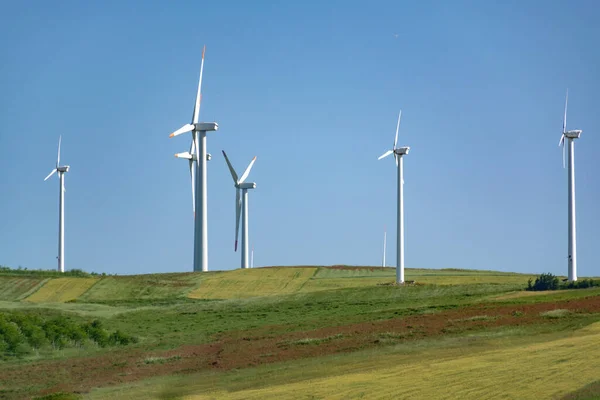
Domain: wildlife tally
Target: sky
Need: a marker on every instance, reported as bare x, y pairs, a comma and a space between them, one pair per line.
312, 89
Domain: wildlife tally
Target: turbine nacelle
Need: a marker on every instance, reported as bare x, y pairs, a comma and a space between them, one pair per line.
400, 151
246, 185
197, 127
189, 156
574, 134
206, 126
64, 168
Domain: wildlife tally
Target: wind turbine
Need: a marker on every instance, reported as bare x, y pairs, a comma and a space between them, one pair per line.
241, 204
61, 208
384, 243
570, 135
398, 153
197, 161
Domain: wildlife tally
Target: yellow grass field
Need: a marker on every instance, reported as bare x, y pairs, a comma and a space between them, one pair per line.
244, 283
285, 280
61, 290
536, 371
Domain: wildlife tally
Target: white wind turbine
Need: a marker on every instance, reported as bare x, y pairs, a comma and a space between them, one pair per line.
61, 208
197, 157
384, 245
398, 153
241, 205
570, 135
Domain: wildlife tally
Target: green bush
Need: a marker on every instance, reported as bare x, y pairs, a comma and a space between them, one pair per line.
22, 333
551, 282
582, 284
544, 282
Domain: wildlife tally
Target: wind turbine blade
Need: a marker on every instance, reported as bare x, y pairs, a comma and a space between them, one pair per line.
233, 174
247, 171
193, 178
50, 174
58, 158
397, 128
238, 209
183, 129
185, 155
396, 156
565, 118
564, 149
387, 153
196, 114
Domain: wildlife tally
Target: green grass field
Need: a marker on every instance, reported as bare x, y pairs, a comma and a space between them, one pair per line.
310, 332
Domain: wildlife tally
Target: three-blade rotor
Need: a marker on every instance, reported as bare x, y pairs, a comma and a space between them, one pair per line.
192, 155
57, 160
393, 150
561, 142
195, 115
238, 200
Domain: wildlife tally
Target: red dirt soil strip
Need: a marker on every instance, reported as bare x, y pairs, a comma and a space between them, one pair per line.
251, 348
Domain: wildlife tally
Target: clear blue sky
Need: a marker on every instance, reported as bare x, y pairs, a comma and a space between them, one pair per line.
313, 90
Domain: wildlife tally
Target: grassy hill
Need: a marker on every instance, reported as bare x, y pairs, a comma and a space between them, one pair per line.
281, 332
229, 284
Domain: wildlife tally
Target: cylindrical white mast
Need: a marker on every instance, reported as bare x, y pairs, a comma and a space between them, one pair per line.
400, 227
572, 230
200, 223
61, 223
384, 240
244, 228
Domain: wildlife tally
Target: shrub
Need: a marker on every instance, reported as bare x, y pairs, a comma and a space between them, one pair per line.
544, 282
551, 282
22, 333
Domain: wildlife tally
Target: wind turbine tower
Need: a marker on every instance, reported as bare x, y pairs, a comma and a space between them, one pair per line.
399, 152
570, 136
384, 244
61, 170
198, 157
241, 205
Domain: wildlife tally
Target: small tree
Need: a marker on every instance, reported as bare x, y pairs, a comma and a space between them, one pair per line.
544, 282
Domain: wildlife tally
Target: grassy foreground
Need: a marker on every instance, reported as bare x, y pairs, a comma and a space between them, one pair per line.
474, 367
309, 332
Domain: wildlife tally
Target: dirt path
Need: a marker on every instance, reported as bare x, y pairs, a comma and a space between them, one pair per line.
251, 348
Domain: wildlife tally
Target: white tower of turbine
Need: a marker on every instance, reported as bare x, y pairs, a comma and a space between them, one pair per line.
570, 135
398, 153
241, 204
61, 208
198, 157
384, 245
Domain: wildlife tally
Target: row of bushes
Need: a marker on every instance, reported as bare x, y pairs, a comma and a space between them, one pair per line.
22, 333
551, 282
4, 270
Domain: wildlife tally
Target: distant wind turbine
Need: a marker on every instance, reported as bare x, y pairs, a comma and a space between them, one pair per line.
241, 204
384, 243
197, 157
61, 208
398, 153
570, 135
